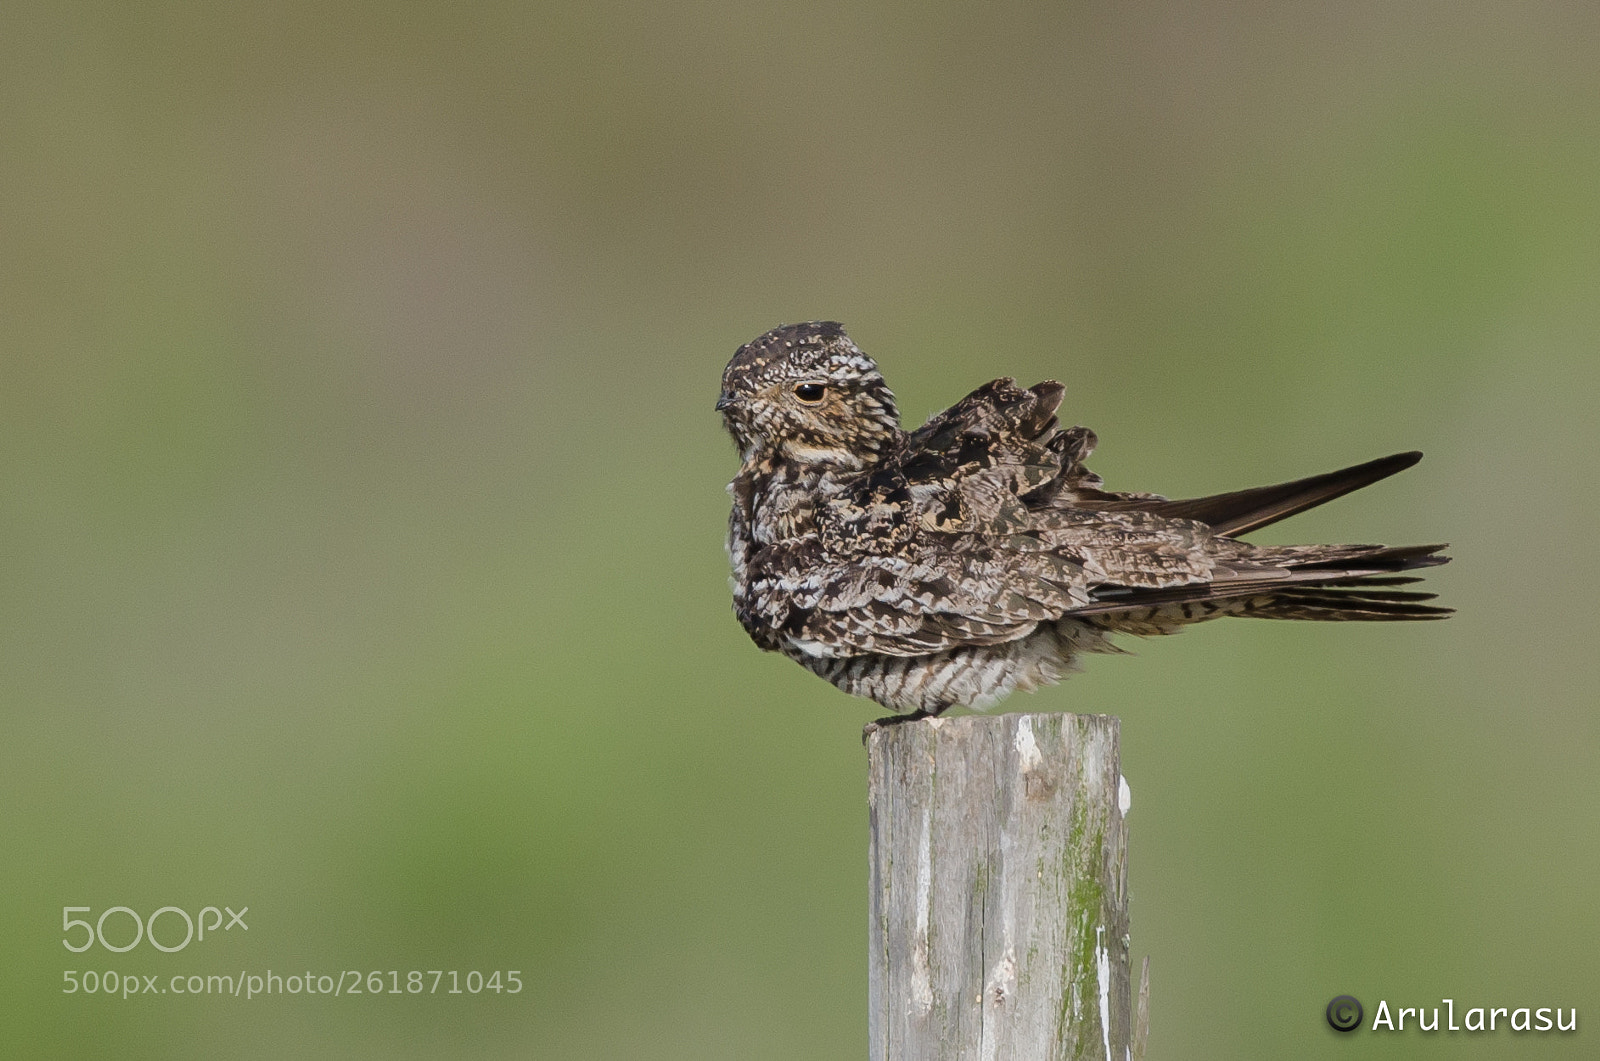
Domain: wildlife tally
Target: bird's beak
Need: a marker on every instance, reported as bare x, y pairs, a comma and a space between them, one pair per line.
724, 401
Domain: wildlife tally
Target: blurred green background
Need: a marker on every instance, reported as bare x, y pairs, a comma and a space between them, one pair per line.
362, 504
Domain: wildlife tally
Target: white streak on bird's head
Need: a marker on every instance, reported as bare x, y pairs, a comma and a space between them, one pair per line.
806, 393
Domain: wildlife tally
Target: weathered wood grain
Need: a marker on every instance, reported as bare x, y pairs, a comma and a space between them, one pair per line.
999, 911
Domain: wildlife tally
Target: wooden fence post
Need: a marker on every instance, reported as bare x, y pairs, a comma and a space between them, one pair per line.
999, 910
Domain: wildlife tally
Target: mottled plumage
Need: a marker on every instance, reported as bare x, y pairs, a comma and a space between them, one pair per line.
977, 555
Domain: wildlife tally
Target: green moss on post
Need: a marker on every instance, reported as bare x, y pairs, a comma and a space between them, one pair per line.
999, 911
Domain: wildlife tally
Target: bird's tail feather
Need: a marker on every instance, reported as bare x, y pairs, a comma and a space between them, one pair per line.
1340, 602
1329, 583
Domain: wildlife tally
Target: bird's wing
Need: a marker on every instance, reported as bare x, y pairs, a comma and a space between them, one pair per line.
998, 434
922, 601
987, 524
945, 546
941, 594
1242, 511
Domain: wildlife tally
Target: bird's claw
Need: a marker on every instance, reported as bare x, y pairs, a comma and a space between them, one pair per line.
892, 720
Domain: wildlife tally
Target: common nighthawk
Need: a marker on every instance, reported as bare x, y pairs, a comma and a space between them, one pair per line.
977, 555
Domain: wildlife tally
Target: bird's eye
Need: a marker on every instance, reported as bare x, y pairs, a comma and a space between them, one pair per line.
810, 393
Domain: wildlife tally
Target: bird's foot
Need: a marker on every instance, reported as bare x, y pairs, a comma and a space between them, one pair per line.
896, 720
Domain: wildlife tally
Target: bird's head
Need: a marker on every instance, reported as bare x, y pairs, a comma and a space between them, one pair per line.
806, 393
